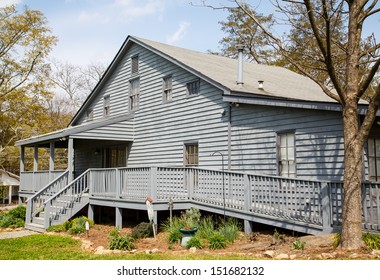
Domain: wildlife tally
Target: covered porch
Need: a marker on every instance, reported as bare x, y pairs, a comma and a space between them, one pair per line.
91, 145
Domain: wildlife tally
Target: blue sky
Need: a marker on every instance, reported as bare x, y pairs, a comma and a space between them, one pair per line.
94, 30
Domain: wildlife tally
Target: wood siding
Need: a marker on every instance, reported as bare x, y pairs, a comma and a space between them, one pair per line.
318, 136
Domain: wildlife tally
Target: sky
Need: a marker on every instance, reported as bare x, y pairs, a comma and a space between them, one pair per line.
94, 30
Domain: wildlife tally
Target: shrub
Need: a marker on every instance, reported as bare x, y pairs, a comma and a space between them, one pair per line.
194, 242
230, 229
142, 230
217, 241
113, 233
206, 227
298, 245
78, 225
57, 228
13, 218
18, 213
122, 243
173, 228
372, 240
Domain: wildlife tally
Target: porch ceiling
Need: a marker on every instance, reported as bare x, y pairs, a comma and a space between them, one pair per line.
90, 130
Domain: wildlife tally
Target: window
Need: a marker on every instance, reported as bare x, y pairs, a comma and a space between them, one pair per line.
135, 65
106, 106
191, 154
134, 94
167, 89
115, 157
374, 159
90, 115
193, 87
286, 154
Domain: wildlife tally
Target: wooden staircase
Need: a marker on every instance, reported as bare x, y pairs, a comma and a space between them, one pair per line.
59, 206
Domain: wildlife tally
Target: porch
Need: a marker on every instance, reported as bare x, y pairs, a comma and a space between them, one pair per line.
312, 207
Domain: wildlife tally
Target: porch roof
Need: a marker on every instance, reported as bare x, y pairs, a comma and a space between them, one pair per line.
79, 131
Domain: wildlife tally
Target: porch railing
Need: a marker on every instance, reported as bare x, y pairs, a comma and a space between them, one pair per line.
36, 203
33, 181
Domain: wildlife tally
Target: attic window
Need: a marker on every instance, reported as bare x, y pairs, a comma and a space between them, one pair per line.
167, 88
134, 94
193, 88
106, 106
135, 65
90, 115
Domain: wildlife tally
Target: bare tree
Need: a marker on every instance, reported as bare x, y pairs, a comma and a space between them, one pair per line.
345, 65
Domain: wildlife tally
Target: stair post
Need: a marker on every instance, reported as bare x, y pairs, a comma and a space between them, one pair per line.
47, 214
28, 214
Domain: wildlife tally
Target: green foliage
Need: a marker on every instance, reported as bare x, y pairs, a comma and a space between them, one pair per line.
278, 238
14, 218
113, 233
372, 240
57, 228
122, 243
217, 241
195, 241
142, 230
336, 240
206, 227
192, 217
230, 229
298, 245
173, 228
78, 225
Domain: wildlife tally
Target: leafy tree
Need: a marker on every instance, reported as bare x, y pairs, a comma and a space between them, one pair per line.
241, 30
325, 42
24, 43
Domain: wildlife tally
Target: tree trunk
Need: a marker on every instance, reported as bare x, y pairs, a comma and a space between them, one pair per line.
351, 237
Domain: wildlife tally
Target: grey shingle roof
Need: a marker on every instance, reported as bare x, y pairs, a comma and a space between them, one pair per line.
278, 82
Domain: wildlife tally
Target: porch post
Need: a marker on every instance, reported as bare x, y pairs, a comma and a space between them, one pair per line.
22, 159
35, 162
10, 195
248, 225
70, 159
119, 218
90, 213
51, 160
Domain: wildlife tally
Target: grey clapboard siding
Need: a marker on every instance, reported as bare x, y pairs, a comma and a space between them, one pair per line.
318, 136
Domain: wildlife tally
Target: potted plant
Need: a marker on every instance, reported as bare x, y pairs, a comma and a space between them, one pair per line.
191, 218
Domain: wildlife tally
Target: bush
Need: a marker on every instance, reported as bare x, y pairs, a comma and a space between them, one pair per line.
298, 245
206, 227
113, 233
173, 229
142, 230
18, 213
13, 218
217, 241
230, 229
122, 243
194, 242
372, 241
78, 225
57, 228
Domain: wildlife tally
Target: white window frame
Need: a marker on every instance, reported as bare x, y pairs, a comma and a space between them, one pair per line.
167, 89
134, 94
286, 154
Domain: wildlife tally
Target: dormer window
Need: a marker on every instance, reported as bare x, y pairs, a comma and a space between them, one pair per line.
135, 65
106, 106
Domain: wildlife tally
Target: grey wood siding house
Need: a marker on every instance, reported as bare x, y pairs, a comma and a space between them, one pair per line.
161, 121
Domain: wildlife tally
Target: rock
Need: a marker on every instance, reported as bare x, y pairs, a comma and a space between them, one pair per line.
328, 256
376, 252
99, 250
293, 257
255, 245
282, 257
133, 251
354, 256
269, 254
151, 251
318, 241
192, 250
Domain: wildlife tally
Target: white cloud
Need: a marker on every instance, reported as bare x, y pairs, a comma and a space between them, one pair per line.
91, 17
179, 33
4, 3
132, 9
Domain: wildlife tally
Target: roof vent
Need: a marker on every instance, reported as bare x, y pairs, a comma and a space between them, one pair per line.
261, 85
240, 49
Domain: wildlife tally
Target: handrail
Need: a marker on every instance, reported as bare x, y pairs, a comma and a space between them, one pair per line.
48, 185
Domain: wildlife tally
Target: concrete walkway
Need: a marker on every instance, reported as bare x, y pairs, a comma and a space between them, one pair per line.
15, 234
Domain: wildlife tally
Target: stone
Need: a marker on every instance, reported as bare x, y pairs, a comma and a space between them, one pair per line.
376, 252
282, 257
269, 254
99, 250
192, 250
255, 245
293, 256
328, 256
321, 241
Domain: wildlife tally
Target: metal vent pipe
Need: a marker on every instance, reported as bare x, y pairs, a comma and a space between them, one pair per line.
240, 49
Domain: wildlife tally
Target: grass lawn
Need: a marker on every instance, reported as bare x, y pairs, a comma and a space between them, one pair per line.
49, 247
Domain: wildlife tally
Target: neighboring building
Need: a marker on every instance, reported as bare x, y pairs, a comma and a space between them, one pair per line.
164, 106
9, 187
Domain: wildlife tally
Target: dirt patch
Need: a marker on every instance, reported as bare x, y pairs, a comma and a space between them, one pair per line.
259, 245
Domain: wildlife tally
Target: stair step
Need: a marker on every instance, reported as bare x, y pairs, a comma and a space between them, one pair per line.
38, 220
35, 227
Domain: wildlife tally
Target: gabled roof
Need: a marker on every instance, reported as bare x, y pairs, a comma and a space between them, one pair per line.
221, 72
